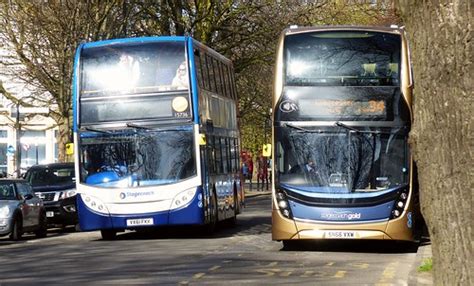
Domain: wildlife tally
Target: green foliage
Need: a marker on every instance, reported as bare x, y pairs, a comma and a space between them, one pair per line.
426, 266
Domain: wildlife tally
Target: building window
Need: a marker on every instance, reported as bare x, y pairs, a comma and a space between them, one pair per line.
3, 160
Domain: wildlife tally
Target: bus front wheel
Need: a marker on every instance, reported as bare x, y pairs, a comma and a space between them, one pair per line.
108, 234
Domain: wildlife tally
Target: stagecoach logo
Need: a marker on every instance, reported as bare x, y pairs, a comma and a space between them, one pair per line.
135, 194
341, 216
288, 106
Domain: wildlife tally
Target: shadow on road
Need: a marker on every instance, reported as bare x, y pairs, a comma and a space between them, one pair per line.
355, 246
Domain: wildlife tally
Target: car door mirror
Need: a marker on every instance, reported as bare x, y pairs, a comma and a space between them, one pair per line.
27, 197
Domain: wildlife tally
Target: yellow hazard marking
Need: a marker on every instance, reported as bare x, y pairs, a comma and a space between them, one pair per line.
340, 274
286, 274
329, 264
388, 273
360, 265
272, 264
307, 274
198, 275
269, 272
214, 268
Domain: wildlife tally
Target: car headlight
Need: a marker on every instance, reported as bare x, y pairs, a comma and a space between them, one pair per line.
67, 194
3, 221
4, 211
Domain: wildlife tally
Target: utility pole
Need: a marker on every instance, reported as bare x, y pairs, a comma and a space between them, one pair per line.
18, 143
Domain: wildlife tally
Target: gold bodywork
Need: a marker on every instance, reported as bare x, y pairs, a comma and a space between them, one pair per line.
395, 229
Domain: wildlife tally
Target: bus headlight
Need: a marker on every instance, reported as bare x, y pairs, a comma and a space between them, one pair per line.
400, 204
283, 205
95, 204
183, 198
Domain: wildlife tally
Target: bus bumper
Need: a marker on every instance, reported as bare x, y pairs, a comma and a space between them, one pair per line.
89, 220
287, 229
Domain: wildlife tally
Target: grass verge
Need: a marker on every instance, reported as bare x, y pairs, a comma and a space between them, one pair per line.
426, 266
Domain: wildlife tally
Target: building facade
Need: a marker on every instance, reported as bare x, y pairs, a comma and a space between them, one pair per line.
37, 137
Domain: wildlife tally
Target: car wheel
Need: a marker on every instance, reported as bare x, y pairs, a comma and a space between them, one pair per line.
17, 229
108, 234
43, 227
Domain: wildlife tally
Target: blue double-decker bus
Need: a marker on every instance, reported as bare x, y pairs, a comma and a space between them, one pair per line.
156, 135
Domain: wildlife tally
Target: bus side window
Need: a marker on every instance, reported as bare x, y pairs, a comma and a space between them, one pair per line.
197, 62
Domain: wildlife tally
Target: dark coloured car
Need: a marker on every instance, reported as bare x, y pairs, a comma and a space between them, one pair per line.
56, 184
20, 210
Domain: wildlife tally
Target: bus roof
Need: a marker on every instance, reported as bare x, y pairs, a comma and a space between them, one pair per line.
296, 30
156, 39
135, 40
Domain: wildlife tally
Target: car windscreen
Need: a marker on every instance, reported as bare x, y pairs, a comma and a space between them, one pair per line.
51, 176
7, 192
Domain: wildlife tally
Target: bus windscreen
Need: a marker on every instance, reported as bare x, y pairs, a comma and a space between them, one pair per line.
342, 58
134, 68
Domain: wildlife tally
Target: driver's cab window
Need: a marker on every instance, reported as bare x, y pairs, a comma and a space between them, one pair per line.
24, 189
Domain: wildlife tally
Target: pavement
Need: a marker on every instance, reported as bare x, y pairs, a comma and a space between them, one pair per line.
423, 252
421, 278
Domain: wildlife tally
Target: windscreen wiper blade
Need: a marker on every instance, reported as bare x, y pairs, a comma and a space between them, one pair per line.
96, 130
301, 129
342, 125
133, 125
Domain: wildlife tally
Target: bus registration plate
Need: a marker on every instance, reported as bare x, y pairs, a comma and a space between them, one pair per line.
340, 234
139, 221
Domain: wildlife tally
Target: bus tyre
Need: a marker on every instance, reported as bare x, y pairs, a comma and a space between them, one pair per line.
290, 244
17, 231
108, 234
42, 228
211, 226
233, 220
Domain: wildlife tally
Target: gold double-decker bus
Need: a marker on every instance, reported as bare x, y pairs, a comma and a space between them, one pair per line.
342, 111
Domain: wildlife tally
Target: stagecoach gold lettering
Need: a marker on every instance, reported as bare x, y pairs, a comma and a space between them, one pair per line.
341, 216
339, 107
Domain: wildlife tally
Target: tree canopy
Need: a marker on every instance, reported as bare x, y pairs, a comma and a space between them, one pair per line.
40, 38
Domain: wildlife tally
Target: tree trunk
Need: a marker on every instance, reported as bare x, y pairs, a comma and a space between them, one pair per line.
65, 136
442, 52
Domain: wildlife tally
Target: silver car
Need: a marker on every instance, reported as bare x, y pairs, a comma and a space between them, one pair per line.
20, 210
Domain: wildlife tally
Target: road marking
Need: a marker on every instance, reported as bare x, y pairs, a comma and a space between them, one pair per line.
286, 274
307, 274
214, 268
329, 264
340, 274
272, 264
360, 265
198, 275
184, 283
388, 273
269, 272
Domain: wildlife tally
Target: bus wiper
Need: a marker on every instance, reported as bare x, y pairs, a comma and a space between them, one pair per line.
96, 130
342, 125
300, 128
132, 125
